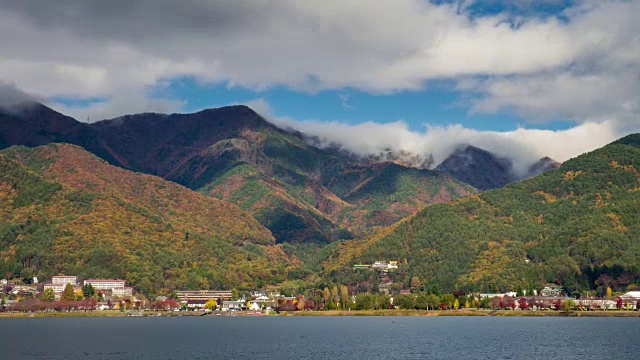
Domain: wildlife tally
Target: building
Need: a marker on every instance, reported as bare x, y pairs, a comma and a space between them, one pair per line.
122, 291
549, 291
195, 304
64, 280
105, 284
490, 295
630, 295
205, 295
57, 289
233, 305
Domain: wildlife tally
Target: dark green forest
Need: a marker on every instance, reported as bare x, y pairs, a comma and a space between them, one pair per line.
578, 227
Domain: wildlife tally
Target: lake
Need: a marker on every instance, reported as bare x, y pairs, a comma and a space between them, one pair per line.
251, 338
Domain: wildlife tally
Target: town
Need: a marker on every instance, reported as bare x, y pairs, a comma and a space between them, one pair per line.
67, 293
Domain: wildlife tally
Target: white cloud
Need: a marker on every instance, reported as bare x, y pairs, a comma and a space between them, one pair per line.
585, 67
11, 96
524, 146
87, 48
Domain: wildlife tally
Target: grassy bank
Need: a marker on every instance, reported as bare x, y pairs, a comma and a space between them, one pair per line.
466, 312
97, 313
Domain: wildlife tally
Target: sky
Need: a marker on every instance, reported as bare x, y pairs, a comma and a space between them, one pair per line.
520, 78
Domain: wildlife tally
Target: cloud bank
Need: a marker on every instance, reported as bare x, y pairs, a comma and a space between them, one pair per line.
538, 66
582, 65
523, 146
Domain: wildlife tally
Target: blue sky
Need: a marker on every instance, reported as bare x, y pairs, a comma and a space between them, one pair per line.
438, 104
537, 77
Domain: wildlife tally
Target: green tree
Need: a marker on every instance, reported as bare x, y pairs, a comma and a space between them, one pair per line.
68, 294
421, 301
48, 295
335, 296
530, 290
415, 284
433, 301
88, 291
364, 302
519, 291
345, 300
330, 305
326, 296
211, 304
568, 305
405, 301
234, 294
448, 299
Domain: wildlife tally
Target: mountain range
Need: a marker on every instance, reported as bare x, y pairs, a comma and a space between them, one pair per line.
223, 198
300, 192
65, 211
576, 226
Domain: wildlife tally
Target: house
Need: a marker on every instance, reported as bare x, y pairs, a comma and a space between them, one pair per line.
490, 296
233, 305
380, 265
103, 306
195, 304
256, 305
550, 291
122, 292
631, 295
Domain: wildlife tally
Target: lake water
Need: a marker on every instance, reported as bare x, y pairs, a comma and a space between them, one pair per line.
251, 338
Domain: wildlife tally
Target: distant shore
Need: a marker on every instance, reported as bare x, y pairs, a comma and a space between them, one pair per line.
390, 312
95, 313
466, 312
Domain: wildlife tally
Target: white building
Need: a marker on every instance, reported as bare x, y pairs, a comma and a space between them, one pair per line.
122, 292
233, 305
64, 280
105, 284
57, 289
631, 295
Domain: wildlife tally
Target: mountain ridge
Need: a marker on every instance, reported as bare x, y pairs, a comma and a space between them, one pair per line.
64, 210
291, 186
576, 226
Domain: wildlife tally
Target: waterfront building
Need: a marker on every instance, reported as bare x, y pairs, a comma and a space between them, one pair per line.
205, 295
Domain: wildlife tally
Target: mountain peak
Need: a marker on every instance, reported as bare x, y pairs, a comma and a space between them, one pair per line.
478, 167
542, 165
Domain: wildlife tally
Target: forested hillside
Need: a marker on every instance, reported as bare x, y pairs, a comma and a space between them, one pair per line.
301, 193
578, 226
65, 211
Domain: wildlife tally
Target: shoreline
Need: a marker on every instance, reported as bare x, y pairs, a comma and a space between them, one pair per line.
389, 312
466, 312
